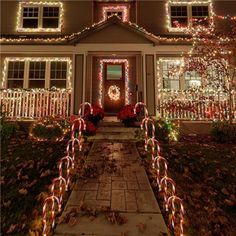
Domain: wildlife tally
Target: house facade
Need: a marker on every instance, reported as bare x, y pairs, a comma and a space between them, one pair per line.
57, 54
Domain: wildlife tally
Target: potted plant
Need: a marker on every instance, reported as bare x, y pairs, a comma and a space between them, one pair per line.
98, 114
127, 116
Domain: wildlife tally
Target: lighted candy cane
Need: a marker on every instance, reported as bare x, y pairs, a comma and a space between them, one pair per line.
50, 199
83, 105
144, 107
71, 143
145, 123
82, 126
61, 182
68, 161
164, 181
173, 200
159, 159
154, 145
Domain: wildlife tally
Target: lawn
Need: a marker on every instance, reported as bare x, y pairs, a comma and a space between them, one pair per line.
205, 175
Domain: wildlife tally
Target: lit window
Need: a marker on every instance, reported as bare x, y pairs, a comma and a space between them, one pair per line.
170, 78
40, 17
192, 79
179, 16
120, 11
184, 14
37, 74
58, 74
15, 74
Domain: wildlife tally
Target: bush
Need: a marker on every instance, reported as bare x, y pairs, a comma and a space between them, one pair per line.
48, 129
223, 131
98, 114
165, 130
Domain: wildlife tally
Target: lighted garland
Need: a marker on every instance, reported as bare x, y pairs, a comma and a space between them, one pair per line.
114, 92
124, 10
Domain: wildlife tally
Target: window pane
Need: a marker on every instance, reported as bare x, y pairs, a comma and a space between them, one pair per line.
30, 23
50, 23
114, 72
36, 83
179, 11
16, 69
37, 70
30, 12
58, 70
51, 12
58, 83
179, 22
15, 83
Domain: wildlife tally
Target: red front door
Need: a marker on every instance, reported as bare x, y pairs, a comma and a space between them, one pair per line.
114, 87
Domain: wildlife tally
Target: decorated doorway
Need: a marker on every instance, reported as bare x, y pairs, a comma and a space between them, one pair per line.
114, 84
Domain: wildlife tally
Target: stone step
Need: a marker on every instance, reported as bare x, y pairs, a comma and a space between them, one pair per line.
116, 129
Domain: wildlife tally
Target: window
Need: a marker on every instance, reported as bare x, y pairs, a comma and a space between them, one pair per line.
169, 75
170, 79
119, 10
30, 17
181, 15
15, 75
58, 74
114, 72
40, 17
50, 17
37, 74
200, 14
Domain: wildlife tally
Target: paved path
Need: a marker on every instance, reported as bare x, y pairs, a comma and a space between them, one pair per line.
126, 190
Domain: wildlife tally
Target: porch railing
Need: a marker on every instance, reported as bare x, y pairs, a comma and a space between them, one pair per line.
36, 103
189, 105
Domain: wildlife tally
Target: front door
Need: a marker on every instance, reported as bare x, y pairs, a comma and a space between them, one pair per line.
114, 87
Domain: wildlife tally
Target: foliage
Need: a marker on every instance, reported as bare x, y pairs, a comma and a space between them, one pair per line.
98, 114
7, 129
165, 130
223, 131
127, 116
91, 129
47, 129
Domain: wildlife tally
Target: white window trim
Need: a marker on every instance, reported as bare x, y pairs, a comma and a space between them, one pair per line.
189, 5
27, 61
40, 5
118, 8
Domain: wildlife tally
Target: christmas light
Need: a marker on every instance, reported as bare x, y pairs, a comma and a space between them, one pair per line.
19, 26
114, 92
123, 9
127, 89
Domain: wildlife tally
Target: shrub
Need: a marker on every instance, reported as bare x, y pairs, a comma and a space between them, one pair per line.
47, 129
98, 114
223, 131
165, 130
127, 116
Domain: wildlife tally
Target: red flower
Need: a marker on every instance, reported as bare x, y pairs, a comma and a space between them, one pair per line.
90, 128
127, 112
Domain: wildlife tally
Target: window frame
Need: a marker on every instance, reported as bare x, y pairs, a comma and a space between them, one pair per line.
189, 13
116, 8
47, 78
40, 6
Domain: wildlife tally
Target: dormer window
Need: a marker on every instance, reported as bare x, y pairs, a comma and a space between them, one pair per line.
181, 15
118, 10
39, 17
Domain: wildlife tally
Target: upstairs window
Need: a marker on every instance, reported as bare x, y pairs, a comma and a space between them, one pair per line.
119, 10
40, 17
181, 15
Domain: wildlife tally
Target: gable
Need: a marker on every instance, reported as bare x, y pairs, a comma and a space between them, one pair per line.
114, 33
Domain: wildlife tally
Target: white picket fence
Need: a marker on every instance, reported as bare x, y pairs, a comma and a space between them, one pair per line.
196, 106
35, 104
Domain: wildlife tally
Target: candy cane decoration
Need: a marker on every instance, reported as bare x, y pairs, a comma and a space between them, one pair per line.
72, 142
145, 122
82, 126
164, 181
154, 143
174, 200
159, 159
83, 105
144, 107
68, 161
62, 182
51, 199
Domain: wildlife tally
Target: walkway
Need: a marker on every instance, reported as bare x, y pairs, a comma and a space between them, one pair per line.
121, 185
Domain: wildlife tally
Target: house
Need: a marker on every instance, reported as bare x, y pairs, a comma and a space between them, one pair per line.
57, 54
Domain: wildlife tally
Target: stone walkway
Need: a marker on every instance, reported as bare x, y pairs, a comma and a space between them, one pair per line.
126, 190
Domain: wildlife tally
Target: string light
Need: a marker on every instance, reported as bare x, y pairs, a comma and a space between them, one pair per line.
114, 92
123, 9
127, 89
20, 28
